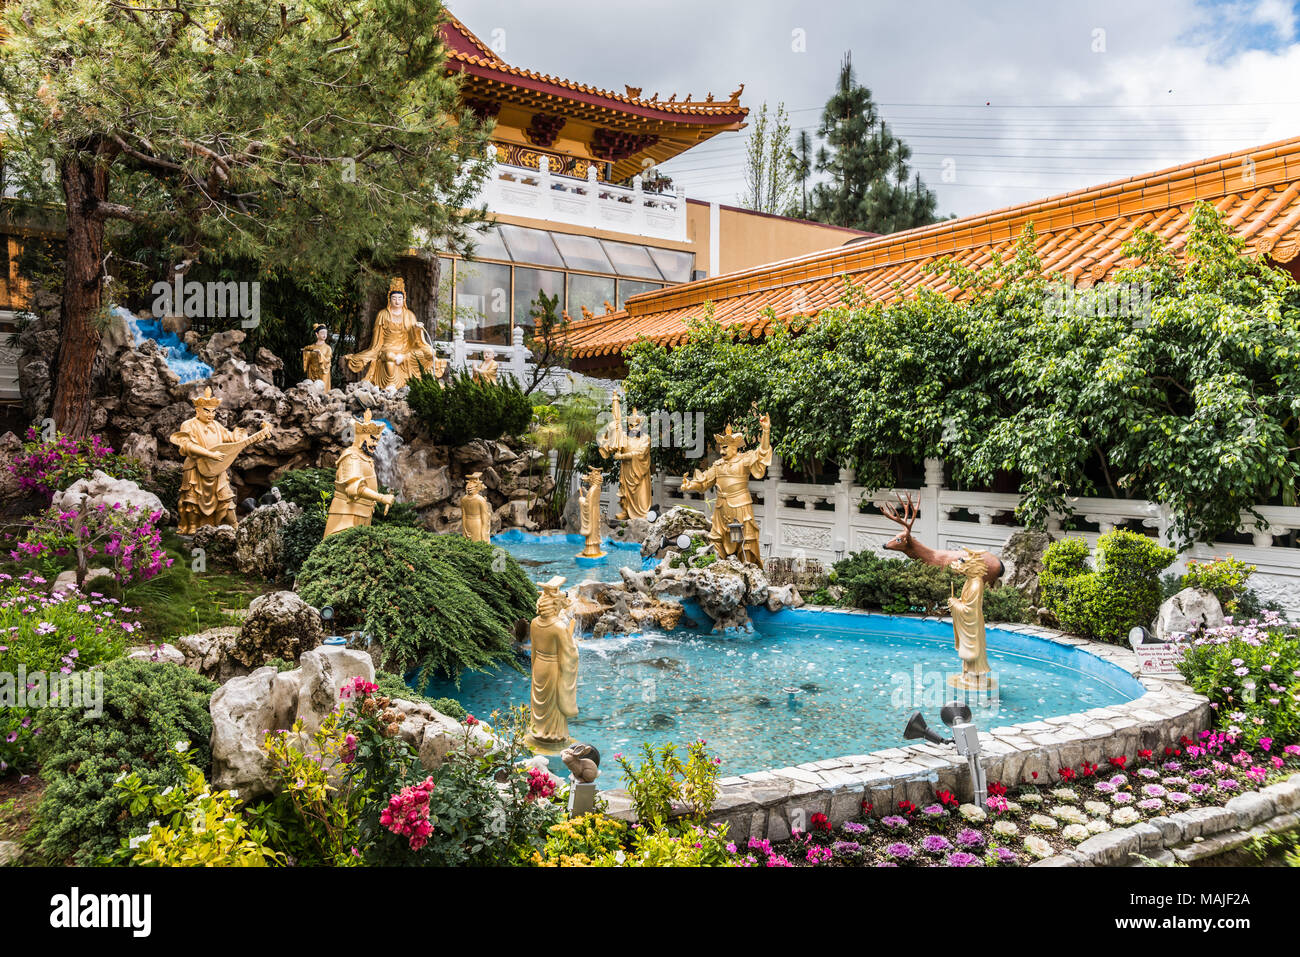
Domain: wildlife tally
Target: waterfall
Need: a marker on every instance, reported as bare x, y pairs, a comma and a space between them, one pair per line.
390, 443
176, 353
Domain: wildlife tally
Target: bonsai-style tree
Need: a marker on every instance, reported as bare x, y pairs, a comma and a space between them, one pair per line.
304, 133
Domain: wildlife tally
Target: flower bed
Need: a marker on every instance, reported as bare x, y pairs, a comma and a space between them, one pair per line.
1038, 821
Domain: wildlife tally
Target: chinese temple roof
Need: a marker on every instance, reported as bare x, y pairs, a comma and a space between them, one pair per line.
623, 128
1079, 235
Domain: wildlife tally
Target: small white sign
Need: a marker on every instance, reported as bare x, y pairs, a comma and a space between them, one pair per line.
1159, 659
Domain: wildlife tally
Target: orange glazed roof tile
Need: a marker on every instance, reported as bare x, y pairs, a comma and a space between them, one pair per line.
1079, 234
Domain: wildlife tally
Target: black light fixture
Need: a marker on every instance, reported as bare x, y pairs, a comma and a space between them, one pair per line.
917, 728
957, 716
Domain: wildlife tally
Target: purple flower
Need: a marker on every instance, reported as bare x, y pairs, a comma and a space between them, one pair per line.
1178, 797
969, 837
900, 851
894, 822
847, 848
962, 859
1151, 804
853, 827
934, 844
1197, 788
1228, 784
1005, 856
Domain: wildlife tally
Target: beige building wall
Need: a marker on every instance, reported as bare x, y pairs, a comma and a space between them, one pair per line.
746, 238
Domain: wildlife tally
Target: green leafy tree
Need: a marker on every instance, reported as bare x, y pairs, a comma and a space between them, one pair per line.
870, 185
770, 165
309, 131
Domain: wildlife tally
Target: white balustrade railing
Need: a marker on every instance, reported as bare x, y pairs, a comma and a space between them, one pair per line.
825, 522
541, 194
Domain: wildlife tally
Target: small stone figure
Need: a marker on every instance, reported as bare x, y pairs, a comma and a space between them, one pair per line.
632, 450
399, 347
583, 762
486, 372
555, 667
317, 357
209, 448
356, 489
968, 623
589, 502
475, 513
731, 474
944, 558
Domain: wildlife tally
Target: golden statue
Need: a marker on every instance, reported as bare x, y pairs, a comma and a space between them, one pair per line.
316, 358
209, 447
486, 371
632, 450
356, 490
475, 513
399, 347
731, 474
555, 667
589, 510
968, 623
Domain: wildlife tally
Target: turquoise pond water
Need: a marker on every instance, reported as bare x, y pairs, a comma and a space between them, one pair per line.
545, 556
857, 678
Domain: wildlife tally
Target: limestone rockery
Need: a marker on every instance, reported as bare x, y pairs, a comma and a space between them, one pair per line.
138, 402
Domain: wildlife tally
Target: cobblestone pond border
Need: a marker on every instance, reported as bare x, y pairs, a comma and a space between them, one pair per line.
766, 804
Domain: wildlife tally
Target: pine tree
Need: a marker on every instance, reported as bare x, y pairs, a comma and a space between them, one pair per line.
300, 135
870, 187
803, 168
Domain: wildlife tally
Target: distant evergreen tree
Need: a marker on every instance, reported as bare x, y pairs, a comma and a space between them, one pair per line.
803, 168
870, 185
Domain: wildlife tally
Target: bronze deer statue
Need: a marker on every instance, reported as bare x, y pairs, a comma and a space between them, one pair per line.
905, 543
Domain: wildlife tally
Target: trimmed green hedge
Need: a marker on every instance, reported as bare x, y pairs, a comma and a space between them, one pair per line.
900, 586
1105, 603
464, 409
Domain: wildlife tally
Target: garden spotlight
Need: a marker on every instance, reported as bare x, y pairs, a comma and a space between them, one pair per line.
965, 737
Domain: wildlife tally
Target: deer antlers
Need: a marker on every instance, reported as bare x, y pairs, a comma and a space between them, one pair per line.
909, 513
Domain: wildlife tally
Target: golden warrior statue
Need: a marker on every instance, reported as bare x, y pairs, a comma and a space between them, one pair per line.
731, 474
356, 490
475, 512
399, 347
632, 450
209, 447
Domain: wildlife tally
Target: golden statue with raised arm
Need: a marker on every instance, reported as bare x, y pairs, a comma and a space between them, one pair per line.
356, 489
632, 451
399, 348
209, 447
730, 474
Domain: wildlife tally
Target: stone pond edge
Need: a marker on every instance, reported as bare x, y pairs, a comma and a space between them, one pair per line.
766, 804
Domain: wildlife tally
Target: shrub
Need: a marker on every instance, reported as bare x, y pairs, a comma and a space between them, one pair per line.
1225, 577
1123, 591
46, 467
654, 787
127, 538
56, 635
582, 841
1221, 663
464, 409
307, 488
405, 587
301, 535
898, 586
204, 828
148, 710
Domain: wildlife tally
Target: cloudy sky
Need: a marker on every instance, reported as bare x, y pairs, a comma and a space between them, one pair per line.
1001, 102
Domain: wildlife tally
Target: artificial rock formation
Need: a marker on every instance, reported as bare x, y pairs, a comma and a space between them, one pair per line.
101, 489
1188, 613
259, 539
279, 625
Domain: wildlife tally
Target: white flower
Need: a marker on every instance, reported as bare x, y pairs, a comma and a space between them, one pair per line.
1126, 815
233, 792
1042, 822
1098, 826
1096, 807
152, 824
181, 746
120, 778
1031, 798
970, 812
1013, 807
1066, 794
1038, 847
1005, 829
138, 840
1075, 832
1072, 815
167, 790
